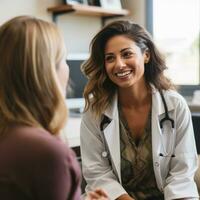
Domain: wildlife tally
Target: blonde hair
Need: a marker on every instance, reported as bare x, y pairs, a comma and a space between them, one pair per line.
30, 51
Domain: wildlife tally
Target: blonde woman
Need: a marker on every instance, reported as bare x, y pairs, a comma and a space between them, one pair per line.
34, 163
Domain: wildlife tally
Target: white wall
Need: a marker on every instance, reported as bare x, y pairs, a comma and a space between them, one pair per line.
77, 30
137, 10
38, 8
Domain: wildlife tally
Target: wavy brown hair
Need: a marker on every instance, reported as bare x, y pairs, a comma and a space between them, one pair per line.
100, 90
30, 51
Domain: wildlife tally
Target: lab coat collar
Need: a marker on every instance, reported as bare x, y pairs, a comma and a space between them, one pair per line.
112, 109
157, 104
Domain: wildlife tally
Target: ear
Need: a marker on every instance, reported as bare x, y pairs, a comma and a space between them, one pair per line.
146, 56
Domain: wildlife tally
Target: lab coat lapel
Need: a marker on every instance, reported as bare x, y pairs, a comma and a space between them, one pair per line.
112, 136
157, 110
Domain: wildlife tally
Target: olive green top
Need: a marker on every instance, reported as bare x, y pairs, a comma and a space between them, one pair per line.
137, 172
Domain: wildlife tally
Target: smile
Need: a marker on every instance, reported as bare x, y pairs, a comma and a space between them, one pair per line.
123, 74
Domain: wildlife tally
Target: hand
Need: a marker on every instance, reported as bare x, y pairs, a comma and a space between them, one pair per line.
125, 197
97, 194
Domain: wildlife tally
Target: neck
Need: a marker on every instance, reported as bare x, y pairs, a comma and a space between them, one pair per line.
135, 97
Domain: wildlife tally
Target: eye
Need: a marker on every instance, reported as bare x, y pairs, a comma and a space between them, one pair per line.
127, 54
109, 58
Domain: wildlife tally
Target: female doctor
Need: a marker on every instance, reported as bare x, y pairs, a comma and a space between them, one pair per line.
137, 138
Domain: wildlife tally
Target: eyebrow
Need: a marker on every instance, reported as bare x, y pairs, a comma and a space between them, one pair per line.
128, 48
121, 51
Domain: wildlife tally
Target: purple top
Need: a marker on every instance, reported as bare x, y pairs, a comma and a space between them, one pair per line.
36, 165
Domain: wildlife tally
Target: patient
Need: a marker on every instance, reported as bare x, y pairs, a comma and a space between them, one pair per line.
34, 163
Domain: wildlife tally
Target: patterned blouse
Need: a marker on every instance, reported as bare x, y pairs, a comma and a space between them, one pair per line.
136, 163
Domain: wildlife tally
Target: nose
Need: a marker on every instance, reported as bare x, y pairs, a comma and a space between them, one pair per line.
120, 63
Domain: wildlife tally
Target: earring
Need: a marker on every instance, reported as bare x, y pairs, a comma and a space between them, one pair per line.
146, 61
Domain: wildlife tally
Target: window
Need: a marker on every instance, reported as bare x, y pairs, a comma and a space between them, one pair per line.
175, 29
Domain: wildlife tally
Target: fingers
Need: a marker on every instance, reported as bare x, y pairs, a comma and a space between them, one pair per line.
101, 192
96, 198
97, 194
93, 195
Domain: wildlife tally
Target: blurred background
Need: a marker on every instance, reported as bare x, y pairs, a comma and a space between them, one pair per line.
174, 25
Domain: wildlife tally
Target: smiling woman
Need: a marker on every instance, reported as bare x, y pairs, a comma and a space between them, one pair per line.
124, 61
136, 127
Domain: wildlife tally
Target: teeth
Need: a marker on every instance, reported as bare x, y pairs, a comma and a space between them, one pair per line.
120, 74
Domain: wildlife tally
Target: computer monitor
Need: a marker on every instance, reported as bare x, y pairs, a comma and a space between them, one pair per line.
77, 80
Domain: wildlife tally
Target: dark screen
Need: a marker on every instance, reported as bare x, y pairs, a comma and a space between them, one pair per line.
196, 125
77, 80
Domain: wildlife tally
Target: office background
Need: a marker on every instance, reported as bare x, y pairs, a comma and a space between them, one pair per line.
165, 19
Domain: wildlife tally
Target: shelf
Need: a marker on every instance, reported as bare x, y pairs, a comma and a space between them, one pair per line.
81, 9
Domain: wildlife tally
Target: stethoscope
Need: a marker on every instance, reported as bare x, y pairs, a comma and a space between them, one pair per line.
105, 121
166, 117
161, 122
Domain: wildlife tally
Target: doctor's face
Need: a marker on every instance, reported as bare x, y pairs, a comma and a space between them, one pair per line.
124, 61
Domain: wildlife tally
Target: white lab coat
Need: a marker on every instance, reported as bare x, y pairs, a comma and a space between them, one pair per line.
100, 150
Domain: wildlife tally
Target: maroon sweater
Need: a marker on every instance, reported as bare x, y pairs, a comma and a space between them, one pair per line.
35, 165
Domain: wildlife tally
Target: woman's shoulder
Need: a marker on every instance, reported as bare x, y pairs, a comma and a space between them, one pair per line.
174, 95
36, 148
176, 99
34, 135
90, 117
38, 142
40, 158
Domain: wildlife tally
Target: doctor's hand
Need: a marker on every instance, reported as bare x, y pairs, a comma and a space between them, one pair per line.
125, 197
97, 194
